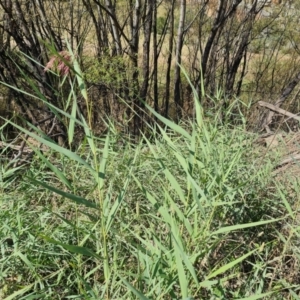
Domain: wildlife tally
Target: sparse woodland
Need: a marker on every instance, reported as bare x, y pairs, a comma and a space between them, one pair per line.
133, 52
149, 149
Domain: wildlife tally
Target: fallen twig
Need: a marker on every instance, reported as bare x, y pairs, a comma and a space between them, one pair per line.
279, 110
14, 147
289, 159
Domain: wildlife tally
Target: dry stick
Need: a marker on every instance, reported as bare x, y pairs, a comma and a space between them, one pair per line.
287, 91
286, 113
289, 159
279, 110
13, 147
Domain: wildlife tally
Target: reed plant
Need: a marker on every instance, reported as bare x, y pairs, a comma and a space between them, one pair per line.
190, 214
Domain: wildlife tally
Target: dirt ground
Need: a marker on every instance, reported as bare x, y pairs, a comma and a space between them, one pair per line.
286, 150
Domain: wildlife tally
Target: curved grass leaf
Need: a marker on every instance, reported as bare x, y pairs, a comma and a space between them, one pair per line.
242, 226
134, 290
55, 170
20, 292
52, 107
183, 280
229, 265
284, 200
71, 128
198, 107
169, 123
55, 147
254, 297
76, 199
73, 248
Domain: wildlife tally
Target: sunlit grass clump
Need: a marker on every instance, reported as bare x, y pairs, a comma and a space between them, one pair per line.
189, 214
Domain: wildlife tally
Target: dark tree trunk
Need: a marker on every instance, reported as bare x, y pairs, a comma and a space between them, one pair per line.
169, 59
180, 36
147, 24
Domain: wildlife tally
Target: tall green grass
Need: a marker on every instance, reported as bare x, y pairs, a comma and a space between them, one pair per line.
189, 214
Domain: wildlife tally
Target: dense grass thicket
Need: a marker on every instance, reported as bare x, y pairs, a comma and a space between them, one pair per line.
191, 212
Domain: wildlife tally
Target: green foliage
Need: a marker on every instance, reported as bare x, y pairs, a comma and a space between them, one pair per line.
107, 70
161, 24
190, 214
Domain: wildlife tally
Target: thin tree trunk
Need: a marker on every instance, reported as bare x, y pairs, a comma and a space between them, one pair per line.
114, 27
155, 58
146, 49
179, 44
223, 14
134, 48
147, 25
169, 60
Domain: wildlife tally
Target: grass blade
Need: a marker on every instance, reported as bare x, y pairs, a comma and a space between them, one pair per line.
71, 128
55, 147
134, 290
169, 123
77, 199
20, 292
73, 248
242, 226
229, 265
181, 273
255, 297
61, 176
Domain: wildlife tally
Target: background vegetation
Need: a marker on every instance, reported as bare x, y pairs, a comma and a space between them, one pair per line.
131, 50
